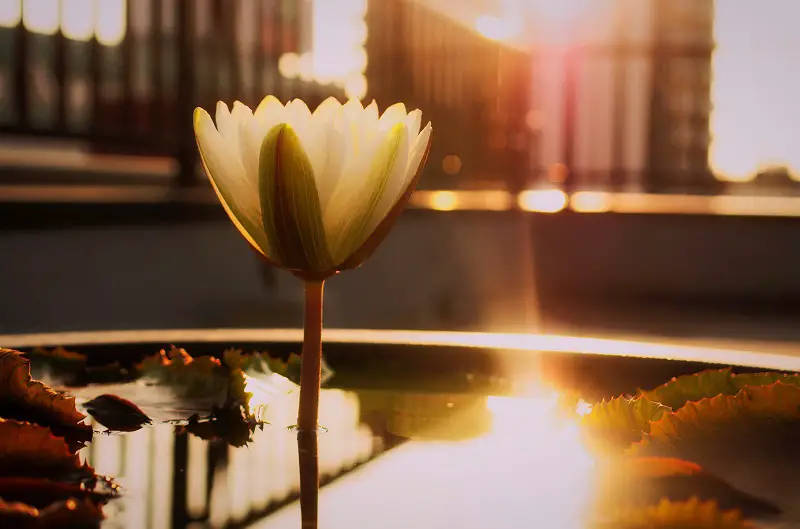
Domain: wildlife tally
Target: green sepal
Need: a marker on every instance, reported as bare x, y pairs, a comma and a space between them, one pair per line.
290, 205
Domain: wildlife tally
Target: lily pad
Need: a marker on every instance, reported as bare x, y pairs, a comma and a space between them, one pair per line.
72, 513
32, 450
711, 383
641, 481
777, 401
692, 514
187, 376
263, 363
25, 399
621, 421
749, 439
41, 492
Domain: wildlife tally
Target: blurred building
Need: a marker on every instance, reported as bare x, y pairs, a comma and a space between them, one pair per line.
476, 92
681, 108
624, 92
123, 75
579, 93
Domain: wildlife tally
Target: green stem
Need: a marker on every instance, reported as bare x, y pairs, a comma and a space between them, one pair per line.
308, 413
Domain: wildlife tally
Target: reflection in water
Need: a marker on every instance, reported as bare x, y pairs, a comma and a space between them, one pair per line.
529, 469
172, 480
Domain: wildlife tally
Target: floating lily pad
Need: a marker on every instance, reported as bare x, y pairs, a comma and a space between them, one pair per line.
692, 514
641, 481
187, 376
711, 383
777, 401
25, 399
749, 439
621, 421
263, 363
32, 450
41, 492
72, 513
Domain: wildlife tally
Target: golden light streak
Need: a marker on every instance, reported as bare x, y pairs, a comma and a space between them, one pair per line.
528, 453
543, 201
760, 354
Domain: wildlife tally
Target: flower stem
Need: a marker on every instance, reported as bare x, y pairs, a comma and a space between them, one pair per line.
311, 363
307, 416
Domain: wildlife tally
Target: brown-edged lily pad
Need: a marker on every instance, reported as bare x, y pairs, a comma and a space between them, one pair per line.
73, 513
749, 440
776, 402
67, 367
41, 492
635, 482
31, 450
692, 514
712, 383
620, 421
187, 376
25, 399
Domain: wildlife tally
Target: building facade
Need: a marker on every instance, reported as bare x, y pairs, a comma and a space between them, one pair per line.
623, 90
475, 91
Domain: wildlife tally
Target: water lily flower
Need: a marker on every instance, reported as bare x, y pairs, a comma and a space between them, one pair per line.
313, 192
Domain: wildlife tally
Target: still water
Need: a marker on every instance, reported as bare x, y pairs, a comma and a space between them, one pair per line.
438, 438
387, 459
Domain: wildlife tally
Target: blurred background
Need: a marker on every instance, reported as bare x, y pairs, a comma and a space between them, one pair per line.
598, 166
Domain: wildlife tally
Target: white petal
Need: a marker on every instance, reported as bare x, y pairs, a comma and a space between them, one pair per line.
415, 158
352, 113
332, 142
225, 124
268, 105
268, 114
299, 117
345, 221
413, 122
298, 113
351, 181
371, 112
394, 114
353, 105
237, 192
368, 124
327, 107
394, 185
242, 117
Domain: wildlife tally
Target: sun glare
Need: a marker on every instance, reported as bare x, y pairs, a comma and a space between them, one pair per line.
79, 20
532, 465
756, 116
337, 54
543, 201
